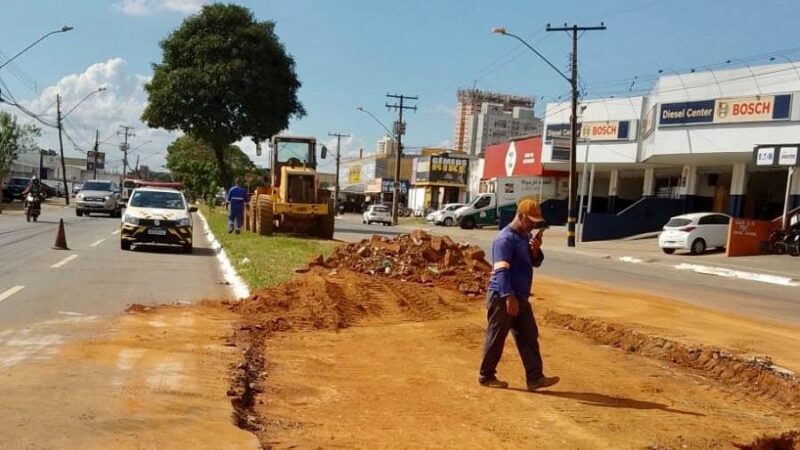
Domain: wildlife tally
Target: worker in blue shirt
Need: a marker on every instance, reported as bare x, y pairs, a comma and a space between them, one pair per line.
515, 252
237, 198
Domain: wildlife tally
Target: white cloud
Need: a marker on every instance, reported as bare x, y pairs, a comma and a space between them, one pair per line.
147, 7
446, 110
121, 103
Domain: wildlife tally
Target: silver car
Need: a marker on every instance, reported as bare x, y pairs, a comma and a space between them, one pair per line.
98, 196
377, 213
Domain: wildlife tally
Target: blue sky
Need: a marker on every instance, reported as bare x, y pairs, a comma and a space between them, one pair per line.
352, 52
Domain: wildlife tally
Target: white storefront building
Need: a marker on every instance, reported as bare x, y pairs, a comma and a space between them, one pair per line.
690, 139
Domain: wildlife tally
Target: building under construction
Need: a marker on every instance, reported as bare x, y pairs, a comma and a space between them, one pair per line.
469, 103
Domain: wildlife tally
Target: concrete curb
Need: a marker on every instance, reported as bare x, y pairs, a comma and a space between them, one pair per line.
238, 286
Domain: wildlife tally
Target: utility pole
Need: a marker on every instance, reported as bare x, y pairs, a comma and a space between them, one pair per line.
339, 137
126, 132
96, 149
573, 178
61, 148
399, 131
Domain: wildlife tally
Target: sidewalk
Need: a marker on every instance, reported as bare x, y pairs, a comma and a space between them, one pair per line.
776, 269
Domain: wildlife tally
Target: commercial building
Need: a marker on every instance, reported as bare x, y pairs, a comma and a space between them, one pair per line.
493, 124
469, 103
362, 179
438, 179
686, 146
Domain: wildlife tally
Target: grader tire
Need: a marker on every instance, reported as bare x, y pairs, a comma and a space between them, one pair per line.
252, 214
326, 225
264, 216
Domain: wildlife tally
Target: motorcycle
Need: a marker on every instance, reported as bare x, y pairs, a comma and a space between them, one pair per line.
33, 207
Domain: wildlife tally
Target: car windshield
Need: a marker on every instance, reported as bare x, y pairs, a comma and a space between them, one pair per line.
380, 209
155, 199
96, 186
19, 182
454, 207
678, 222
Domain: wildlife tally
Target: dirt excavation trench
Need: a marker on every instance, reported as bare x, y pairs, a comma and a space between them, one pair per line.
378, 347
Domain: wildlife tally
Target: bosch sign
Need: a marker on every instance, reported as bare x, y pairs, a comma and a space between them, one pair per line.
592, 131
743, 109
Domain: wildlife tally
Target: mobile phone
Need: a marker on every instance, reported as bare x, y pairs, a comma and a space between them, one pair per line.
543, 225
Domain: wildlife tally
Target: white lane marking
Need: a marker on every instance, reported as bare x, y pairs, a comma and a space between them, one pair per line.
97, 242
240, 288
728, 273
64, 261
115, 232
70, 313
630, 259
23, 346
166, 375
8, 293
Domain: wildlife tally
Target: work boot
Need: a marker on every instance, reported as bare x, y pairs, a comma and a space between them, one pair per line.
493, 383
542, 382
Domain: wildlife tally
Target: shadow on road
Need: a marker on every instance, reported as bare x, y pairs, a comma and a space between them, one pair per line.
164, 249
607, 401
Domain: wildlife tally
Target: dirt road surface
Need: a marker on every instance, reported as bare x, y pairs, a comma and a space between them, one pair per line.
374, 363
156, 379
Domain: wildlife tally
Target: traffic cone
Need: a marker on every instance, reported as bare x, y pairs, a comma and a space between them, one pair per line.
61, 237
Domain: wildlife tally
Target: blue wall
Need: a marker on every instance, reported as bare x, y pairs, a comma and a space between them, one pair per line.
647, 215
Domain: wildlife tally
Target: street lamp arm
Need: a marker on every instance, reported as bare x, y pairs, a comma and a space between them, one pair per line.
391, 133
62, 30
506, 33
83, 100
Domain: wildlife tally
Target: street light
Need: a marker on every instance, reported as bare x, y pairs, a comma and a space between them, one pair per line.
63, 29
100, 89
391, 133
573, 81
60, 127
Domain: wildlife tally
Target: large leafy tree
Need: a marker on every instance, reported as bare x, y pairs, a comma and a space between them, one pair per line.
224, 76
14, 138
193, 162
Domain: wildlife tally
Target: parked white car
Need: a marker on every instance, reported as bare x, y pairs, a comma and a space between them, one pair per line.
446, 215
377, 213
694, 232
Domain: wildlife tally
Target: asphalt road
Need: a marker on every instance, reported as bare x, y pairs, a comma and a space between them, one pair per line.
742, 297
94, 277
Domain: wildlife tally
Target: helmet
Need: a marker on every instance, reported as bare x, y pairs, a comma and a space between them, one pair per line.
34, 178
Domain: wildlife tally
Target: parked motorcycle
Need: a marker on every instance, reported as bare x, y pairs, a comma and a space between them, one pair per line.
33, 207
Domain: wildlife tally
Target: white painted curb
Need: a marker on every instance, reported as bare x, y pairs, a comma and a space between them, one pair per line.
239, 287
729, 273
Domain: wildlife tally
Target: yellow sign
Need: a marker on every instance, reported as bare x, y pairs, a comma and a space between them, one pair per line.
354, 174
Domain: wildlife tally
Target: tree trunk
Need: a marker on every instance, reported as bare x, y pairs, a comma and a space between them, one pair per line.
222, 171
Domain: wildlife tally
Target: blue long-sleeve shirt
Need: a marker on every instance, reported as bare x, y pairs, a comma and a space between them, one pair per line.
237, 197
513, 264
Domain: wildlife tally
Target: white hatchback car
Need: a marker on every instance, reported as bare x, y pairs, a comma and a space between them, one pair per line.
447, 215
694, 232
377, 213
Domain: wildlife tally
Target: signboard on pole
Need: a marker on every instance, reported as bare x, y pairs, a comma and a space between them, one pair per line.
91, 161
782, 155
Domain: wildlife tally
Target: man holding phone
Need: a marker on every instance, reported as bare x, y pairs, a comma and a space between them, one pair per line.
515, 253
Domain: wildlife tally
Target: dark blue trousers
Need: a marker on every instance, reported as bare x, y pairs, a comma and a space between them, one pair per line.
526, 335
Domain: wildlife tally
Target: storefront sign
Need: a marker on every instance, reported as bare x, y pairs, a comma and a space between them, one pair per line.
561, 149
784, 155
649, 122
442, 169
384, 185
745, 236
763, 108
591, 131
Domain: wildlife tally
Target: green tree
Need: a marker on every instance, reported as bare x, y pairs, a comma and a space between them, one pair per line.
14, 138
193, 162
224, 76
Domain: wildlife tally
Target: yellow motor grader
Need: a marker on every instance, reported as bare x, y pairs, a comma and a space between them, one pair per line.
293, 202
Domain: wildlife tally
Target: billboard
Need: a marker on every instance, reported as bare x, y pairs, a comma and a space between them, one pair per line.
385, 186
609, 130
442, 169
764, 108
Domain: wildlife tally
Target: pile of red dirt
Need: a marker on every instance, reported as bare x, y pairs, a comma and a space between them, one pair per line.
417, 257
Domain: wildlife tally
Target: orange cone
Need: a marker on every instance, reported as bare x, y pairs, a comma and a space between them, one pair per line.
61, 237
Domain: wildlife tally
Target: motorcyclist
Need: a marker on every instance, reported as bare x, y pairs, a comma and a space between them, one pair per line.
34, 188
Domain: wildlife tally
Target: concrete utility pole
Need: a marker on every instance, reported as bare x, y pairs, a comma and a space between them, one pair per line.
61, 148
96, 149
339, 137
573, 178
126, 133
399, 131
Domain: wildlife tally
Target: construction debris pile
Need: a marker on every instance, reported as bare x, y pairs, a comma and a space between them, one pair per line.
417, 257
